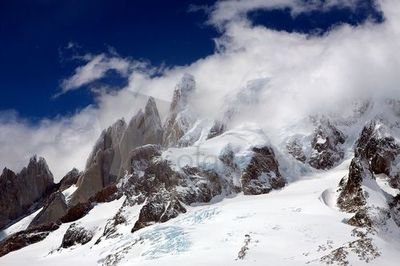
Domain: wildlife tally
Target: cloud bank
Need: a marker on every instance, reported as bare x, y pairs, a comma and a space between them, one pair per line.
291, 76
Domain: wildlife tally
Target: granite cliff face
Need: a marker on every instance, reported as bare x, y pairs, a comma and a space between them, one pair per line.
180, 119
110, 158
19, 192
144, 128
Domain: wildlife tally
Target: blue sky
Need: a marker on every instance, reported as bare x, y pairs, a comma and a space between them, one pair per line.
35, 33
35, 36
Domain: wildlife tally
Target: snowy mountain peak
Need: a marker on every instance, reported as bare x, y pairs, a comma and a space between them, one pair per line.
151, 191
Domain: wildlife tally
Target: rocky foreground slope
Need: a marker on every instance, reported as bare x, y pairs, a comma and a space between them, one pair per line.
145, 173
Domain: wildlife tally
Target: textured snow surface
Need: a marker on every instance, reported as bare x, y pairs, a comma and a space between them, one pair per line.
19, 226
294, 226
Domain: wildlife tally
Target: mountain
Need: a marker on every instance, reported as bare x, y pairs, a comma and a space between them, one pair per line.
212, 191
20, 192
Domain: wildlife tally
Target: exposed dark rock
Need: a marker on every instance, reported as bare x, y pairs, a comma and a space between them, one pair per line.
19, 193
166, 190
351, 197
25, 238
160, 207
157, 175
141, 157
79, 210
107, 194
380, 150
76, 234
361, 219
71, 178
354, 196
199, 185
262, 174
52, 212
323, 151
325, 144
76, 212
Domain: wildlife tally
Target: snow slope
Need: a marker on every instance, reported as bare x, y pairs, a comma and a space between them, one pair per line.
297, 225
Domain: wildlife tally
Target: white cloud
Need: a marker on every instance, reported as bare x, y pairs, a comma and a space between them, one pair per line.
235, 10
96, 68
303, 74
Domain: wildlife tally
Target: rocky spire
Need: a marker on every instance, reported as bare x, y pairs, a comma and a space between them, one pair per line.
144, 128
20, 191
179, 119
110, 157
102, 165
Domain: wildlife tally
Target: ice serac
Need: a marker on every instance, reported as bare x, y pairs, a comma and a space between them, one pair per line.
144, 128
180, 119
19, 192
102, 165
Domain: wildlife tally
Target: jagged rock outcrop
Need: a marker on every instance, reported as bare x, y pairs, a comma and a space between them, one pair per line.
166, 190
322, 150
325, 144
160, 207
102, 166
262, 174
144, 128
352, 197
356, 190
25, 238
19, 192
75, 235
381, 150
76, 212
71, 178
200, 185
88, 184
179, 120
52, 212
105, 151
